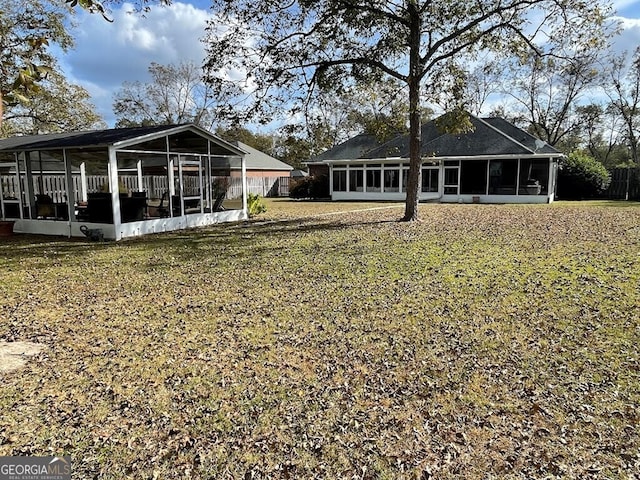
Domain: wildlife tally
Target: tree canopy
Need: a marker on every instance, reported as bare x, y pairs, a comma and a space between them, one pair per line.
27, 29
175, 94
265, 56
56, 107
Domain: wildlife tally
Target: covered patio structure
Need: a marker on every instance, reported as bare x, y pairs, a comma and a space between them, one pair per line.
120, 182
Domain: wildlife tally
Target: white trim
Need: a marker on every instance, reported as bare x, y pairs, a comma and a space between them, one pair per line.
179, 129
405, 160
129, 229
496, 199
485, 197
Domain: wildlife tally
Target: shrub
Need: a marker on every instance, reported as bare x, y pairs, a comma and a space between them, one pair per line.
255, 205
581, 176
310, 187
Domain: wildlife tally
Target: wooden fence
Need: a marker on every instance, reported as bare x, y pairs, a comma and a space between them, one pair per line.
624, 181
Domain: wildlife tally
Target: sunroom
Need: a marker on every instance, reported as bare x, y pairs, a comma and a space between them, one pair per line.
120, 183
468, 180
493, 162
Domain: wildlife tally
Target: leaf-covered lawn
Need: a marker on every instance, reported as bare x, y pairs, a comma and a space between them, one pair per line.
485, 341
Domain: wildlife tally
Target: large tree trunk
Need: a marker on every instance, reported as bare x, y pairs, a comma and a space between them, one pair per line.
415, 157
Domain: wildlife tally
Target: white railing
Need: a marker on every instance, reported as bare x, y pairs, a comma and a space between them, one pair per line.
155, 185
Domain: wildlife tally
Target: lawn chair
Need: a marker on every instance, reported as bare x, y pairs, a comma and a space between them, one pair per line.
163, 211
217, 205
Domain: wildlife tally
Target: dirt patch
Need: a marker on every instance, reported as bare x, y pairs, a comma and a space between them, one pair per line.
14, 355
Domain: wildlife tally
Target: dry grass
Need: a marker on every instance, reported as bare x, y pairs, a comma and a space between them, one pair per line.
485, 341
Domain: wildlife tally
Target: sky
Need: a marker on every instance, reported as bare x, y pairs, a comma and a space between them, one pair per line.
108, 54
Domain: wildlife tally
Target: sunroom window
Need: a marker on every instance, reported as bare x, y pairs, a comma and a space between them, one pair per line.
356, 180
392, 178
339, 180
373, 178
430, 180
503, 175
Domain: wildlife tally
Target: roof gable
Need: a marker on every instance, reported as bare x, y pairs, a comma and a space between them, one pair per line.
521, 136
483, 140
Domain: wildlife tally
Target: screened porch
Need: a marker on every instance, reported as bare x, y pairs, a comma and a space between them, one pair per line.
124, 182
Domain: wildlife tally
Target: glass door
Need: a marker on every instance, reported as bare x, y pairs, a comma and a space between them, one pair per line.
10, 190
451, 180
190, 182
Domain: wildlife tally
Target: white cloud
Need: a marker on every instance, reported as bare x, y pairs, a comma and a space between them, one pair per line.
629, 37
108, 54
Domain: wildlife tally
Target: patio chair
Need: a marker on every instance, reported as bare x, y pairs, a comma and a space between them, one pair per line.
217, 205
163, 211
44, 206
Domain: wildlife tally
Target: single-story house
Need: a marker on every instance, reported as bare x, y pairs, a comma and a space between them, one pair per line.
121, 182
497, 162
266, 176
259, 164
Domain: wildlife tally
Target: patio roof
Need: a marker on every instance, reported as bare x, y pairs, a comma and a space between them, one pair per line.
115, 137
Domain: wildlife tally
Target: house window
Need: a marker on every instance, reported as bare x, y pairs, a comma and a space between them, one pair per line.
473, 177
534, 177
392, 178
503, 175
339, 180
373, 178
430, 180
356, 180
451, 180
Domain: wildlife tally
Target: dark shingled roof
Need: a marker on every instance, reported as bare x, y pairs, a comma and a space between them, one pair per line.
491, 136
519, 135
79, 139
257, 160
115, 136
356, 147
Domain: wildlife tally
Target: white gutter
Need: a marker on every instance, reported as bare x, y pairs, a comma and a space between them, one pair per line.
435, 159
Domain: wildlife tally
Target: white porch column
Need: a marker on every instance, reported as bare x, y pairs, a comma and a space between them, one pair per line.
30, 195
83, 182
140, 179
553, 178
243, 169
71, 196
115, 192
331, 180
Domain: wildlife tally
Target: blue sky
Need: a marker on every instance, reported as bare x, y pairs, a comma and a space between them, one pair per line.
628, 8
108, 54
